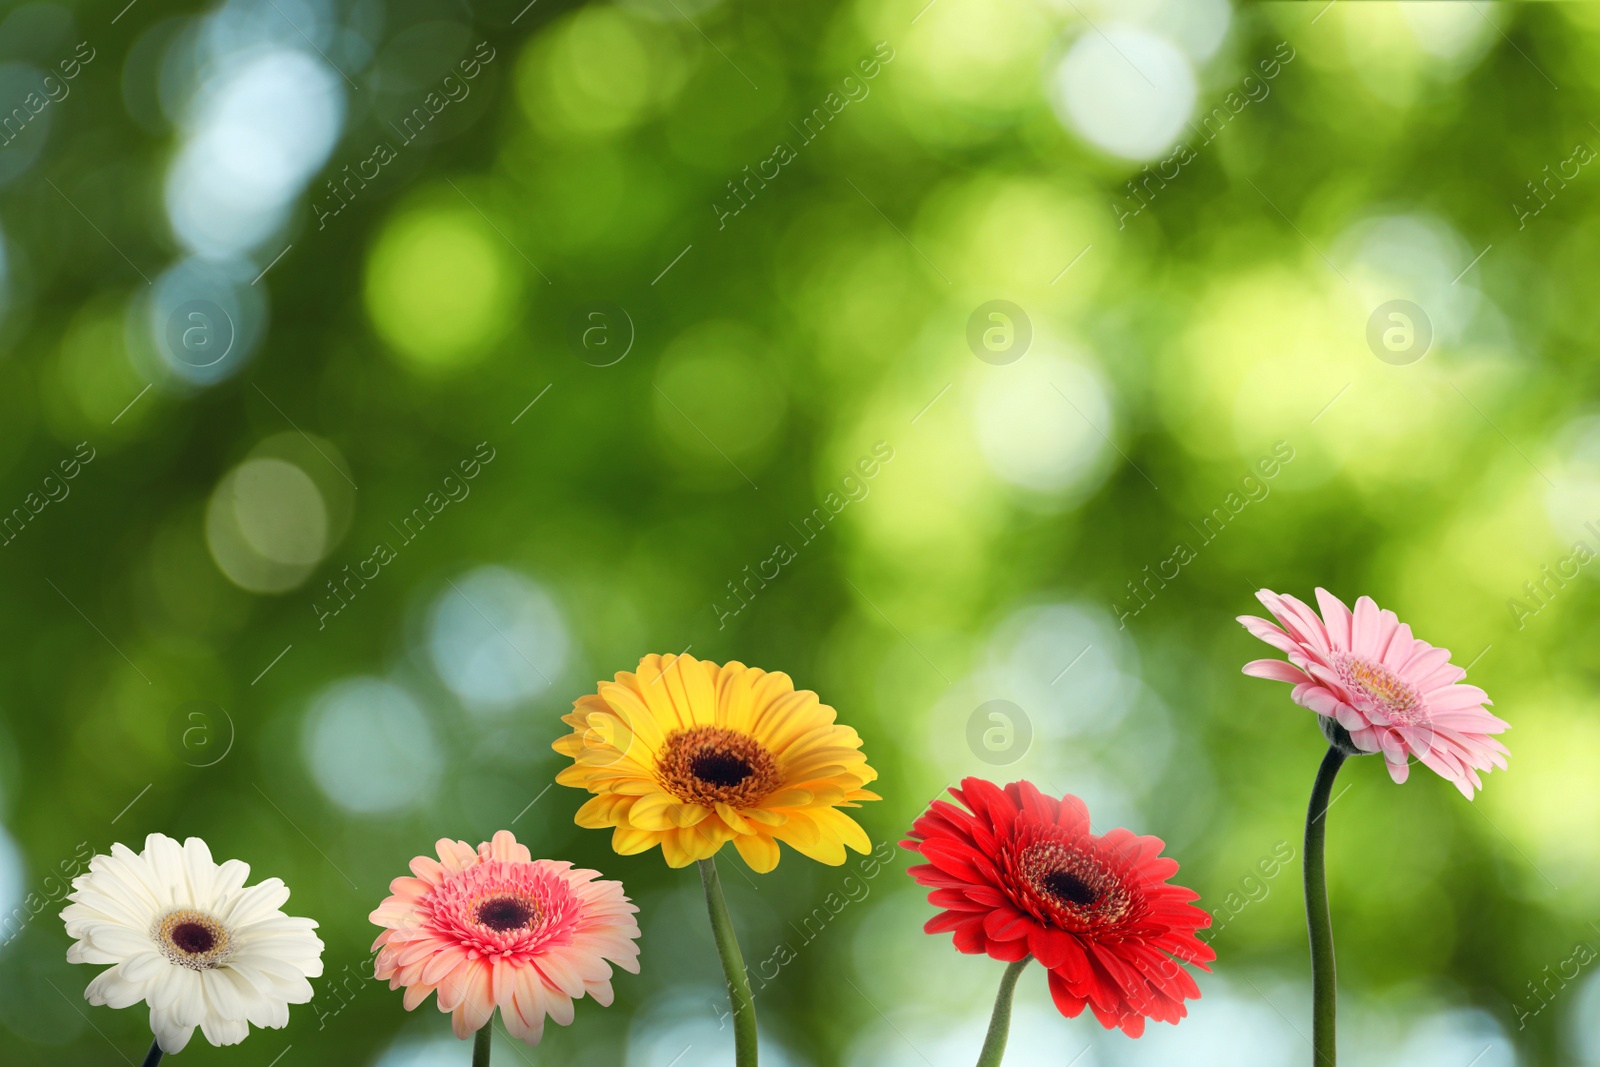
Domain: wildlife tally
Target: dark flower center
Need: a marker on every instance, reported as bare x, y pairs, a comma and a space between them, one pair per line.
502, 914
192, 938
712, 765
1069, 888
720, 768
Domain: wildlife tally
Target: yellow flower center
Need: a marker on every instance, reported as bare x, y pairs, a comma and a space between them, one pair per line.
711, 764
192, 939
1397, 700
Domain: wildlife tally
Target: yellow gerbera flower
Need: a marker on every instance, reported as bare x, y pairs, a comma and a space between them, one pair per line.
690, 755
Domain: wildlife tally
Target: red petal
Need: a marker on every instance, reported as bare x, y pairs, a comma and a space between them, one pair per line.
1007, 924
1067, 1003
1048, 946
969, 935
1009, 951
953, 859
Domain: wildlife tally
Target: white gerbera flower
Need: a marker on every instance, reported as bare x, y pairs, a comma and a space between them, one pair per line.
190, 940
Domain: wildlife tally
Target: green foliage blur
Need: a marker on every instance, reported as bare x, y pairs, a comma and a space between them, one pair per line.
785, 218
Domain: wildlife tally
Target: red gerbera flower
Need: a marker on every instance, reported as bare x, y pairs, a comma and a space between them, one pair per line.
1019, 873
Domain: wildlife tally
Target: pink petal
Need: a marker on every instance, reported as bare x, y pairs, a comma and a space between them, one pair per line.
1336, 617
1364, 629
1402, 646
1298, 619
1269, 633
1275, 670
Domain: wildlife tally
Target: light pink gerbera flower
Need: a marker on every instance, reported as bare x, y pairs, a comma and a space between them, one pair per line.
495, 928
1391, 692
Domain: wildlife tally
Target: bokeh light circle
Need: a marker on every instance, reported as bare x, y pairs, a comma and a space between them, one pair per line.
716, 398
496, 638
1126, 90
267, 525
204, 319
1040, 424
440, 287
370, 747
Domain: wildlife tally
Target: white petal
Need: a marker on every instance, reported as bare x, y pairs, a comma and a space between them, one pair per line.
270, 1014
171, 1035
227, 994
178, 992
113, 989
124, 875
84, 952
144, 967
230, 879
200, 871
116, 940
164, 856
224, 1031
93, 903
254, 904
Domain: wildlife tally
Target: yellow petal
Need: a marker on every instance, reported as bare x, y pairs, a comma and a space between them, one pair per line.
629, 841
799, 829
760, 852
808, 839
607, 809
688, 814
787, 798
735, 821
703, 839
633, 711
690, 684
674, 852
574, 775
649, 812
836, 824
765, 816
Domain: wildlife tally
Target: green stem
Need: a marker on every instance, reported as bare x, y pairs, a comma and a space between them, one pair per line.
480, 1045
739, 998
994, 1045
153, 1057
1324, 993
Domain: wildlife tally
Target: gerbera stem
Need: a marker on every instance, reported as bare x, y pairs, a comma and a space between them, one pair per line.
739, 998
1324, 993
994, 1045
480, 1046
153, 1057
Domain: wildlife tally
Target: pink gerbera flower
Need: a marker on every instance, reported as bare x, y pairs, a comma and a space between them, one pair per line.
496, 928
1391, 692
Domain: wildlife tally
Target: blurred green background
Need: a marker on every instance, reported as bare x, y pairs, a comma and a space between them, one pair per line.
669, 277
